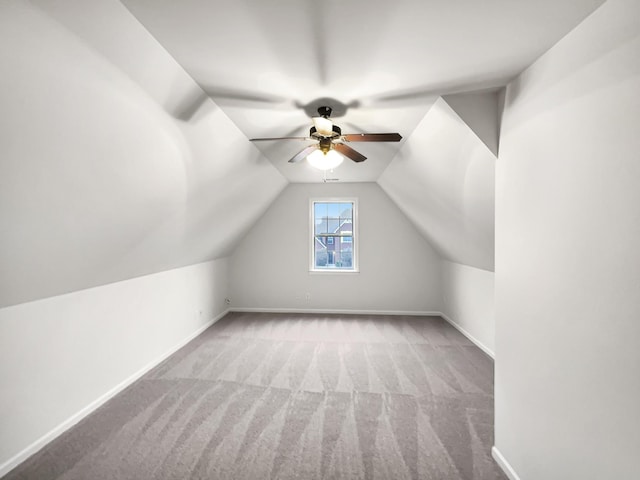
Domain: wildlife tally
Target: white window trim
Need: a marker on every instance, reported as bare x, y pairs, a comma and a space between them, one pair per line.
355, 235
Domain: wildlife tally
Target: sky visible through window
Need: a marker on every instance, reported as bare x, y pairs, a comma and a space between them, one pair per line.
333, 235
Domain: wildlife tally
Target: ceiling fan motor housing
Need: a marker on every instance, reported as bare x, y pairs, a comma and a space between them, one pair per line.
325, 145
337, 131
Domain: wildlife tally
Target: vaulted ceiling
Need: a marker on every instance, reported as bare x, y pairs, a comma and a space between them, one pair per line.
124, 135
381, 65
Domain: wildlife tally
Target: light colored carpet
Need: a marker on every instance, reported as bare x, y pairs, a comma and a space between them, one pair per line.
284, 396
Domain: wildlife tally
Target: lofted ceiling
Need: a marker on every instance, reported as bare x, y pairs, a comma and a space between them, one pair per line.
124, 139
381, 65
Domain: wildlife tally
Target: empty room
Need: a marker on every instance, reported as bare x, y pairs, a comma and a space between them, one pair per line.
287, 239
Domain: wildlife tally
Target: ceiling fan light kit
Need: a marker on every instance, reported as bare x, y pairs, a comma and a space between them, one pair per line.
324, 161
331, 148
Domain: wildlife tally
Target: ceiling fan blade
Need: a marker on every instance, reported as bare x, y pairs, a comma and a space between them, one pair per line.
303, 153
279, 138
349, 152
372, 137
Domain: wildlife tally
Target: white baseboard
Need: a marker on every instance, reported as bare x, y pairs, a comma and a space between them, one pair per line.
475, 341
503, 464
20, 457
334, 311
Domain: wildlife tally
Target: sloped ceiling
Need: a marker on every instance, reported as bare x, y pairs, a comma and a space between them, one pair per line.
124, 133
429, 70
381, 64
443, 179
102, 177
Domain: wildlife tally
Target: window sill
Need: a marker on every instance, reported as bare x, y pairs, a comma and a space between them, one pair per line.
330, 271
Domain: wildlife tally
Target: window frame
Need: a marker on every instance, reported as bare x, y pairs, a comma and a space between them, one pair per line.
355, 265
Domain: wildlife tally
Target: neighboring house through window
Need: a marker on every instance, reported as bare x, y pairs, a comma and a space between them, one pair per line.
333, 228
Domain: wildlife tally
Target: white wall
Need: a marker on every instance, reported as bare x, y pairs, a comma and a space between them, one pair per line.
60, 357
399, 271
468, 302
443, 179
481, 111
568, 257
113, 163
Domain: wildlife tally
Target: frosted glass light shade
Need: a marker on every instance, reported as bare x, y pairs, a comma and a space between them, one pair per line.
319, 160
324, 126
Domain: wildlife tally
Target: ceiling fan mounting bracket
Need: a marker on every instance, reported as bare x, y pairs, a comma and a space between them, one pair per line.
324, 112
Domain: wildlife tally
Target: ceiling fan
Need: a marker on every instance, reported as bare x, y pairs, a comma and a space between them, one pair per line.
330, 140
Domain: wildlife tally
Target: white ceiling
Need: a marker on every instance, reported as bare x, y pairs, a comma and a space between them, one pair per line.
262, 61
114, 163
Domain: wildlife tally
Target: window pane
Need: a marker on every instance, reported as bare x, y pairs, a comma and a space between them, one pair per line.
321, 256
333, 235
345, 259
346, 211
321, 217
333, 209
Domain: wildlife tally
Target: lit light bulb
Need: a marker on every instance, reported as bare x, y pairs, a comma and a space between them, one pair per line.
327, 161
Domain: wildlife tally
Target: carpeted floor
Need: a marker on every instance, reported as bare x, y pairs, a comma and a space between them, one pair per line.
266, 396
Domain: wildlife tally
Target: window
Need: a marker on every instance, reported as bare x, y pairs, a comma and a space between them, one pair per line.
333, 235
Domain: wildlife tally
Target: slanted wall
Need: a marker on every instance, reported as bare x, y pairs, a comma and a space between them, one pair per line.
443, 179
113, 165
